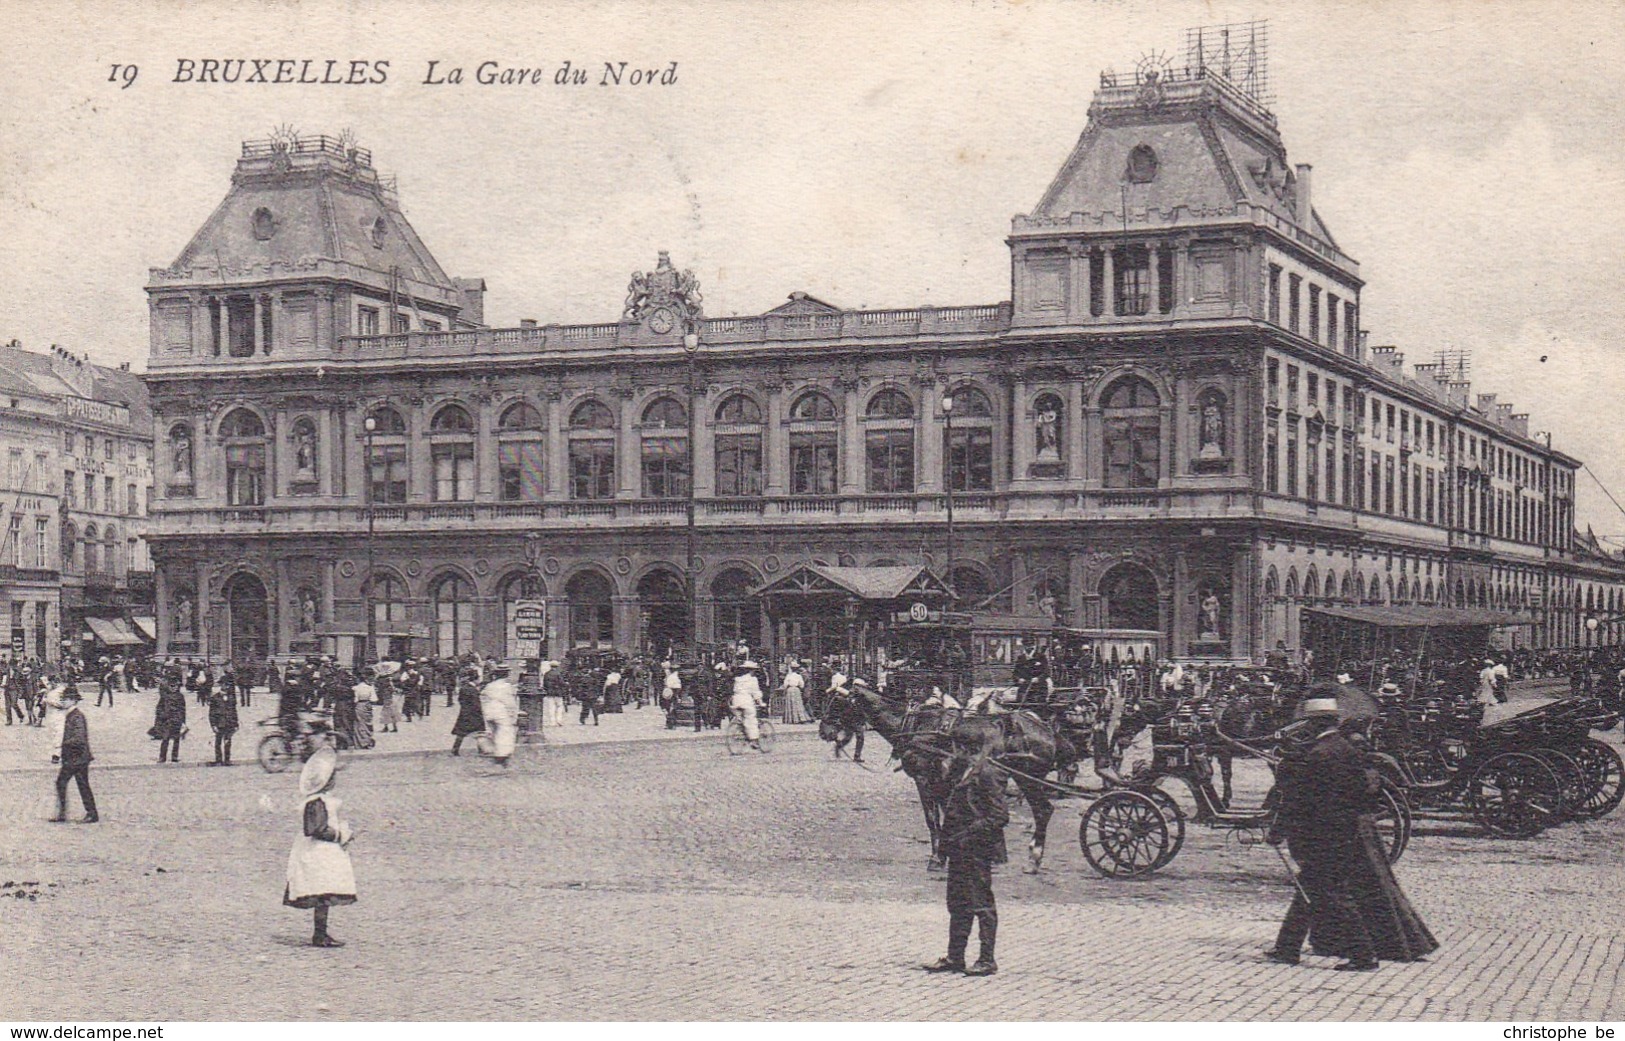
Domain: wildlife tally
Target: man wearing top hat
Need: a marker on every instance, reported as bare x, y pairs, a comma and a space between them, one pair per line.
76, 759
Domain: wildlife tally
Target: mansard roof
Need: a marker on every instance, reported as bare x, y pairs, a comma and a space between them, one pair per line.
311, 199
1213, 150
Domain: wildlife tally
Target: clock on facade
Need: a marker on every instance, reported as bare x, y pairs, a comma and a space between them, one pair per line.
662, 321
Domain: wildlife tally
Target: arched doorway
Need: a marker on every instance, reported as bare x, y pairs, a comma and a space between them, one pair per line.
737, 617
1129, 598
249, 627
662, 611
592, 612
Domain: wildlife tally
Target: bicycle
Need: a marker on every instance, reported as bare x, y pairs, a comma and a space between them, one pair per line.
738, 743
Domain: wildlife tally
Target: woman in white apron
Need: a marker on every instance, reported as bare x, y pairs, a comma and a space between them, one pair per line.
319, 871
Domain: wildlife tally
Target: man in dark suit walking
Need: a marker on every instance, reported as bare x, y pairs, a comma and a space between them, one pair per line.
973, 840
76, 759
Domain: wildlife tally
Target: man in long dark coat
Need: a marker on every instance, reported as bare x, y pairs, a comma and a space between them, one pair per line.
76, 759
973, 841
1347, 903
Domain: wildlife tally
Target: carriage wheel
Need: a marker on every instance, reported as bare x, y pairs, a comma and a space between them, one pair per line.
1124, 835
1605, 778
274, 754
1176, 822
1393, 822
1571, 780
1514, 795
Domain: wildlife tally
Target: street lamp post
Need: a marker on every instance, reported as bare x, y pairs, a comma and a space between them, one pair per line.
691, 348
948, 422
370, 425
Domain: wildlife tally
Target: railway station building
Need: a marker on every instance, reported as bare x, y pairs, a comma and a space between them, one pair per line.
1175, 422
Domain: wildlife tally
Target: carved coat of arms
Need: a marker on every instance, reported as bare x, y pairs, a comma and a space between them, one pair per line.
665, 298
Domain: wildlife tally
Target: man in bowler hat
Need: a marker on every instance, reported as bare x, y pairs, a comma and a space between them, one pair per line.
76, 759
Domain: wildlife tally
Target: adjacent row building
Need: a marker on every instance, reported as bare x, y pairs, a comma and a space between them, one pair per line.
76, 440
1174, 423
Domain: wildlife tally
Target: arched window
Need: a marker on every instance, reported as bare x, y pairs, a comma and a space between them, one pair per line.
303, 438
93, 549
1348, 587
451, 435
967, 452
1133, 434
592, 451
814, 441
665, 450
738, 617
813, 407
520, 416
516, 588
521, 457
70, 546
453, 419
738, 447
888, 442
453, 616
592, 612
244, 436
110, 558
387, 471
387, 422
970, 586
180, 460
890, 403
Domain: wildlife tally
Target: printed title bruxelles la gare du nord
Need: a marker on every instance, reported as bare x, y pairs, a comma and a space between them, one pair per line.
331, 72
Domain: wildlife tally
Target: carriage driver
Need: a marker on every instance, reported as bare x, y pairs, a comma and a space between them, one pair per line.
747, 699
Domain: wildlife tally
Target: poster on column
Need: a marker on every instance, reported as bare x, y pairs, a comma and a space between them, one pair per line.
527, 627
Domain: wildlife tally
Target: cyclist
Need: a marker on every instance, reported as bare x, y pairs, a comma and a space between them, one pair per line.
747, 700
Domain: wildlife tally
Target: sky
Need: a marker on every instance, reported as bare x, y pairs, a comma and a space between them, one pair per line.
1471, 155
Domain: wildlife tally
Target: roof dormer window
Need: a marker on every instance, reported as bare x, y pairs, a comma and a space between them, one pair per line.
379, 230
1142, 165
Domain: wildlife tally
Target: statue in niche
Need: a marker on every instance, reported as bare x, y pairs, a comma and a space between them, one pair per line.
1047, 430
1212, 608
1211, 436
183, 615
304, 453
307, 612
180, 447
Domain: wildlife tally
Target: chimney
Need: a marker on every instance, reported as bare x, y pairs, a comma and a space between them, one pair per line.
1459, 391
1486, 404
1519, 422
1305, 218
1503, 414
472, 294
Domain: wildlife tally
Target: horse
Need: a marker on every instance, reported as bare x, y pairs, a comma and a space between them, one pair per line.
842, 722
923, 738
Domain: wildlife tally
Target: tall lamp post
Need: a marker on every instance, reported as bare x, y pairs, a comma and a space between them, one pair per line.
691, 348
948, 422
370, 425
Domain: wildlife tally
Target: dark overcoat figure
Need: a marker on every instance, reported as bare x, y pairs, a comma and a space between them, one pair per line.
223, 720
1348, 903
470, 717
76, 760
973, 841
169, 722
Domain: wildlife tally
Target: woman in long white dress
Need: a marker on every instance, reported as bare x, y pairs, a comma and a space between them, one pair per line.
320, 874
795, 706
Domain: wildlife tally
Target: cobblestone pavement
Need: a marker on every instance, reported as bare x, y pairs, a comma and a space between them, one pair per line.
668, 880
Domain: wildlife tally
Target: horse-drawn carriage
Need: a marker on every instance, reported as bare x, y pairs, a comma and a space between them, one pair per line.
1516, 777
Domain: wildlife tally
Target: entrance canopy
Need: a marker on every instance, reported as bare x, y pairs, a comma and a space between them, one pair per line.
869, 584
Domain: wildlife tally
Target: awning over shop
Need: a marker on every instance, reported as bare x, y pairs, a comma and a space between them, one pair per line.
147, 626
1420, 617
113, 632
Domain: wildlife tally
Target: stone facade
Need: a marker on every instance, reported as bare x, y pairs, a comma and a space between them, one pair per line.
1176, 424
